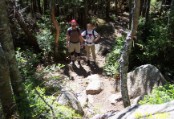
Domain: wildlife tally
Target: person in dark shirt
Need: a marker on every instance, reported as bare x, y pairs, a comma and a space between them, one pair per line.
73, 40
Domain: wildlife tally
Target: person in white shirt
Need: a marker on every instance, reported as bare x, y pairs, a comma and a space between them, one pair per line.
90, 36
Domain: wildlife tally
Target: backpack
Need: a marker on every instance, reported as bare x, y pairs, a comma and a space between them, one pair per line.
87, 33
70, 30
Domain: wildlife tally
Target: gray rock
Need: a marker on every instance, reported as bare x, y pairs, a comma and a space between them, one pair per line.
142, 80
68, 98
95, 86
104, 116
161, 111
83, 99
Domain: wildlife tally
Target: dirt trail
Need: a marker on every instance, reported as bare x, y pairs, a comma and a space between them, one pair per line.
96, 104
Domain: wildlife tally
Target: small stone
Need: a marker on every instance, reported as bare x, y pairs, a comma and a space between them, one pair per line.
95, 85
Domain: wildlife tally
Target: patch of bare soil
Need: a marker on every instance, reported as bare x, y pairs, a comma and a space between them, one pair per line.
95, 104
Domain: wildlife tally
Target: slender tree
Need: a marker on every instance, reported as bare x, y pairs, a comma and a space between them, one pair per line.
130, 13
107, 8
8, 47
6, 93
124, 59
171, 20
56, 25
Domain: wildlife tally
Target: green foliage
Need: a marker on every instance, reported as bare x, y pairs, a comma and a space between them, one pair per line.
54, 67
42, 105
46, 37
112, 64
159, 95
155, 5
153, 46
26, 61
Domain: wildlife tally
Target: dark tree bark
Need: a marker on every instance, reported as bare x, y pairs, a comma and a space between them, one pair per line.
86, 13
124, 59
130, 14
147, 10
144, 6
45, 5
146, 27
6, 93
39, 6
32, 40
171, 21
8, 47
107, 8
116, 8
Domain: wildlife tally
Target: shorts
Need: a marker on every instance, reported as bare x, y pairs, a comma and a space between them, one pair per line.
74, 47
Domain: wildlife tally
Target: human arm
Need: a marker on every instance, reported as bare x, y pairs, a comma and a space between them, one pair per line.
81, 39
67, 39
97, 36
83, 35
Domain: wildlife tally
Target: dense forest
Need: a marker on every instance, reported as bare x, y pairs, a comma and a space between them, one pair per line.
37, 80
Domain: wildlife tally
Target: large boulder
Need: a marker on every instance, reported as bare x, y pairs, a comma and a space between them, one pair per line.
95, 85
68, 98
142, 80
161, 111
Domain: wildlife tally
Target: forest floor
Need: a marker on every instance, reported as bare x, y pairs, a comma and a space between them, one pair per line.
74, 78
97, 104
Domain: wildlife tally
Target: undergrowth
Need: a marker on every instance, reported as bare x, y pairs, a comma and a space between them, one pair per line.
112, 63
42, 106
159, 95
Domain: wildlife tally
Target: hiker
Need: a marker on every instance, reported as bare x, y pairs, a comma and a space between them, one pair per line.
73, 40
90, 36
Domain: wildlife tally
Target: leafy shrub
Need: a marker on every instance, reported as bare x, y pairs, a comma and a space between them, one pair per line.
26, 62
156, 49
46, 106
46, 37
159, 95
42, 105
112, 64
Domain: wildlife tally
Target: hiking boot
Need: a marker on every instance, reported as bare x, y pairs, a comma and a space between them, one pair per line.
88, 62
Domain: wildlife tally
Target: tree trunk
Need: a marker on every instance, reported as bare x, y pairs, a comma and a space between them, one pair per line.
124, 59
146, 27
144, 7
171, 21
6, 93
130, 14
116, 8
39, 7
8, 47
56, 25
147, 11
31, 38
45, 6
86, 13
107, 8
